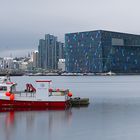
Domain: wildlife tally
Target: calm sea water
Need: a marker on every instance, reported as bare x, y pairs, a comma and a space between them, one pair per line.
113, 113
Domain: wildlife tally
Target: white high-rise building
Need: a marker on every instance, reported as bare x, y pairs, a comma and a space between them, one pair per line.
61, 64
34, 59
8, 62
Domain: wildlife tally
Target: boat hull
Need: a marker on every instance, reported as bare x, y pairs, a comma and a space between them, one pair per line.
33, 105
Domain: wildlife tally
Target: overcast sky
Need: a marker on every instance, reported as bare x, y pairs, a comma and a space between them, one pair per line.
24, 22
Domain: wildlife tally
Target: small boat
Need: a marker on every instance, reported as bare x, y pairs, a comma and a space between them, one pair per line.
40, 97
78, 102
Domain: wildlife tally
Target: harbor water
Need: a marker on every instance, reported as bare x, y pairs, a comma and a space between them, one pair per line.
113, 113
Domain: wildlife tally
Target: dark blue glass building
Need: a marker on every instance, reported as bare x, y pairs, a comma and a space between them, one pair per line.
102, 51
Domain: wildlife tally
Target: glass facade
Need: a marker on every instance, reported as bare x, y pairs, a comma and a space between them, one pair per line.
102, 51
42, 54
49, 52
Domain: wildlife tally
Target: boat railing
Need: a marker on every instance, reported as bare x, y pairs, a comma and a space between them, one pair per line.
58, 92
25, 93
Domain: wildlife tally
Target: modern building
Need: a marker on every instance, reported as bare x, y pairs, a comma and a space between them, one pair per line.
8, 62
60, 50
1, 63
50, 51
61, 65
51, 44
23, 66
42, 57
34, 58
102, 51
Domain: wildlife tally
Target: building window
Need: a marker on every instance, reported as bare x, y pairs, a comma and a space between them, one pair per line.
117, 41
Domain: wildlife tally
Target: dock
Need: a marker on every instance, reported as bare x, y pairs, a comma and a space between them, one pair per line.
78, 102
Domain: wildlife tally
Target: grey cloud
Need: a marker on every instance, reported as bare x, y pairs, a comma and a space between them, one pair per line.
23, 22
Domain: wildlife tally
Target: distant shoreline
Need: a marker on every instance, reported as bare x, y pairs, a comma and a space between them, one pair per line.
69, 74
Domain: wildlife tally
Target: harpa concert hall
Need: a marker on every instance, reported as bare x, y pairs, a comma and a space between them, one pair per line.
102, 51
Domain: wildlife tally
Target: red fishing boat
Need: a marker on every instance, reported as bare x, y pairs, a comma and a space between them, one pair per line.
40, 97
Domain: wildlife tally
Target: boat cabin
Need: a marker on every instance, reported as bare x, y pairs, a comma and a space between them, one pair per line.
8, 87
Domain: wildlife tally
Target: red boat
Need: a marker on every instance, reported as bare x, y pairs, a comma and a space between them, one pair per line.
41, 97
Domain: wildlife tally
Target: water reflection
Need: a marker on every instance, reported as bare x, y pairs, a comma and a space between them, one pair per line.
113, 113
9, 125
17, 124
9, 120
104, 119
